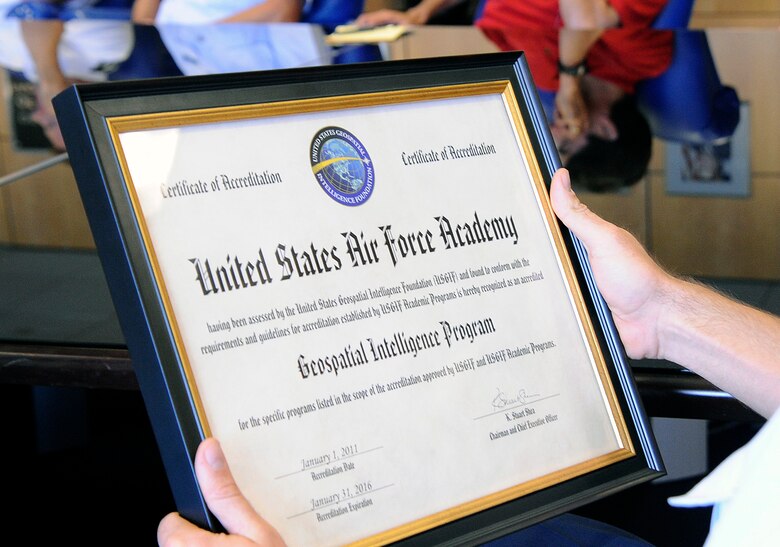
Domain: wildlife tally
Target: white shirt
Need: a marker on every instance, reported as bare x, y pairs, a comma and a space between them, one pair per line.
193, 12
197, 12
745, 492
84, 50
216, 49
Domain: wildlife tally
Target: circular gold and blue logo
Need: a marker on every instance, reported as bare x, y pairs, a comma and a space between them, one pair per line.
342, 166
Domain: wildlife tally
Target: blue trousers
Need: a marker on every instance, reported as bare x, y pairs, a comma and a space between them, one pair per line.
570, 531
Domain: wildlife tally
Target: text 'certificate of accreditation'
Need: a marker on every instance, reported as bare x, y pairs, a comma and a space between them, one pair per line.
373, 307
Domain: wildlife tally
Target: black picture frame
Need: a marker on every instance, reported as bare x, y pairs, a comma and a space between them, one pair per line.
83, 112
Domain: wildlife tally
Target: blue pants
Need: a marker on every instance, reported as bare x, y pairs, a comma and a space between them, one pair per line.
570, 531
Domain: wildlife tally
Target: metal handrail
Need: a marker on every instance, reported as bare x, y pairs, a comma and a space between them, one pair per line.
40, 166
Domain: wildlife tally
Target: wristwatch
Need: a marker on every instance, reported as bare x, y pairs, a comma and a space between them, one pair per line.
580, 69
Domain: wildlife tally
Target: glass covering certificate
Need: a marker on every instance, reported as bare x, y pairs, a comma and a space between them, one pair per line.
372, 306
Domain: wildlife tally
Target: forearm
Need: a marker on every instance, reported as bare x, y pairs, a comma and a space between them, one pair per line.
571, 110
734, 346
588, 14
145, 11
660, 316
271, 11
573, 45
42, 38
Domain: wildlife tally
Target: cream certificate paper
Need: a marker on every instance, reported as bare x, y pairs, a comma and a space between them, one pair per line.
371, 309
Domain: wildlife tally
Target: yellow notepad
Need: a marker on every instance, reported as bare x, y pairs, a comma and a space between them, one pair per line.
353, 34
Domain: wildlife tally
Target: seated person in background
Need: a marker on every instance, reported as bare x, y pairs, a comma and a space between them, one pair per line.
658, 316
575, 49
601, 136
206, 11
571, 14
577, 14
53, 54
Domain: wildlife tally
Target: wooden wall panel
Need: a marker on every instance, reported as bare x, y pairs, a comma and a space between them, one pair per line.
718, 237
440, 41
5, 129
45, 208
757, 80
5, 229
626, 208
4, 140
720, 13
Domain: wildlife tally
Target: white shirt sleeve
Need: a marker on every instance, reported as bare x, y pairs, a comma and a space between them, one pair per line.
744, 491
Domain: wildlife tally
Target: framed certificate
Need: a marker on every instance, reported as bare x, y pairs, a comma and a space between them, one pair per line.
353, 278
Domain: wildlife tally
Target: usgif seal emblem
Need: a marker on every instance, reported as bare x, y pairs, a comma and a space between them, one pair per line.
342, 166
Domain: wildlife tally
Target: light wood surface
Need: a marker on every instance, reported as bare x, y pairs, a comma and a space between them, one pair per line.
627, 208
45, 208
719, 237
5, 234
729, 13
434, 41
